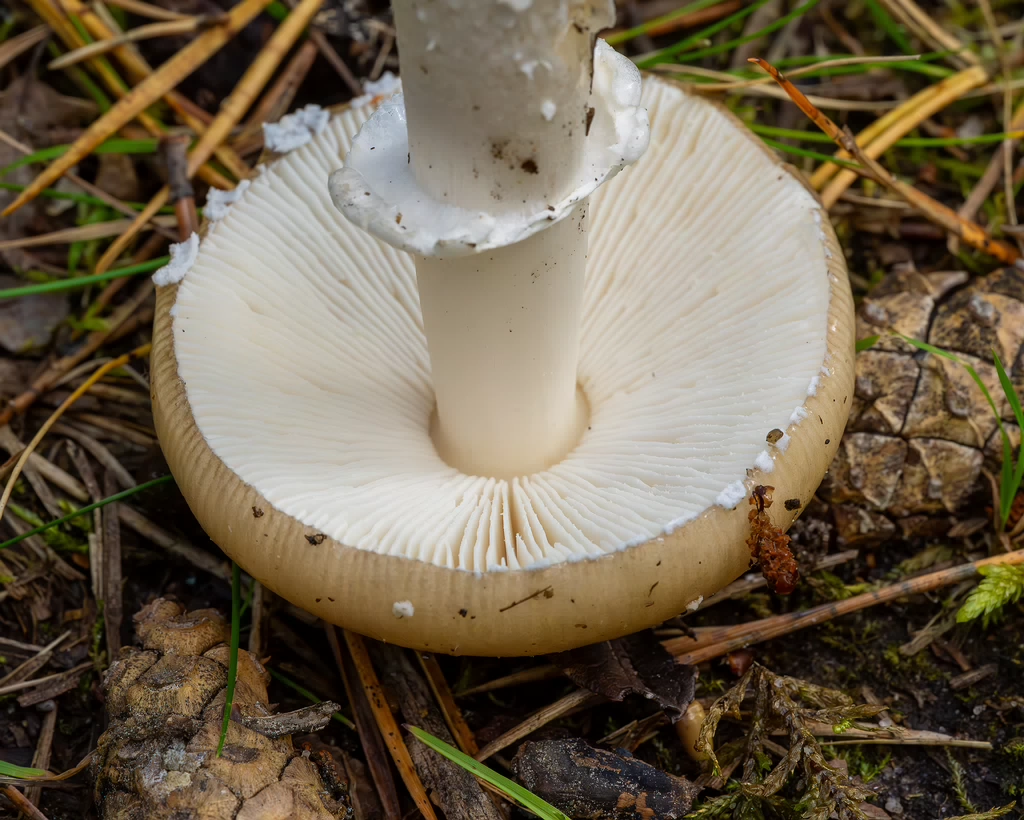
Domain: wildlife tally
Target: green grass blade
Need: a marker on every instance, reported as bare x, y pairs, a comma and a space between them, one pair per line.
87, 509
867, 344
338, 716
236, 628
803, 152
757, 35
1018, 413
83, 281
645, 28
893, 30
20, 772
113, 146
678, 48
525, 798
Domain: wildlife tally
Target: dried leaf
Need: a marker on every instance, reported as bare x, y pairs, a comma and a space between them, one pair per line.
29, 322
637, 664
585, 782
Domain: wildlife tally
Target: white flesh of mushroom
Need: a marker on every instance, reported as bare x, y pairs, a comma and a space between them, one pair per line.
299, 340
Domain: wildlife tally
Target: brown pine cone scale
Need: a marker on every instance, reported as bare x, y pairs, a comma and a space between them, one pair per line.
920, 431
165, 704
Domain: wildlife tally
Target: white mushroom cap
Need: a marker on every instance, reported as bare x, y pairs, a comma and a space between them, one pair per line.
293, 398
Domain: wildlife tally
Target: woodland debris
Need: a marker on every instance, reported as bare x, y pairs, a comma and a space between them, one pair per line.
165, 705
585, 782
636, 664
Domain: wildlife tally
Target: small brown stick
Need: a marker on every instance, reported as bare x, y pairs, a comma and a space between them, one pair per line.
580, 699
728, 81
179, 186
895, 124
135, 102
139, 352
22, 803
147, 10
721, 641
531, 675
168, 28
684, 21
44, 748
33, 664
113, 600
918, 21
328, 53
970, 232
946, 92
256, 630
138, 70
80, 233
988, 180
278, 99
232, 110
88, 187
59, 22
366, 726
31, 684
386, 723
17, 46
449, 708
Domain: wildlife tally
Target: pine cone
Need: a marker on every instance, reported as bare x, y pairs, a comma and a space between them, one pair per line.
920, 430
165, 703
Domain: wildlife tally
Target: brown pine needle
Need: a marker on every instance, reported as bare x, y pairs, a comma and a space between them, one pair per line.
231, 112
917, 20
446, 701
17, 46
113, 364
59, 22
970, 232
167, 28
138, 70
581, 698
894, 125
88, 187
279, 96
170, 74
147, 10
717, 642
81, 233
388, 725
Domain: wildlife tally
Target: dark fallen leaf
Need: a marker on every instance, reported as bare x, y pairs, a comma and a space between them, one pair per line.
637, 664
28, 323
595, 784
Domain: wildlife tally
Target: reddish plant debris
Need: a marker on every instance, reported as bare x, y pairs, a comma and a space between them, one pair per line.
769, 546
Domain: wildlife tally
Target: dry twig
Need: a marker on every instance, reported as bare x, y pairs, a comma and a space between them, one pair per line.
970, 232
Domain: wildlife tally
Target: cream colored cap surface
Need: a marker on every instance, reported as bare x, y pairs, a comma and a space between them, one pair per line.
293, 399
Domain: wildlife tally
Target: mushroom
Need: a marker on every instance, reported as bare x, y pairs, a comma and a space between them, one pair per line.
476, 409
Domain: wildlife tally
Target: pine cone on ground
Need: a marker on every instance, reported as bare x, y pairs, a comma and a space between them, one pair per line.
165, 704
920, 431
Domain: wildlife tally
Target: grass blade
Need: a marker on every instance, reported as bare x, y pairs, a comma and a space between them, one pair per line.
749, 38
629, 34
867, 344
803, 152
20, 772
510, 788
666, 54
236, 628
83, 281
87, 509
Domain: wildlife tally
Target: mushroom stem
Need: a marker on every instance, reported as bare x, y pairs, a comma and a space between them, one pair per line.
496, 98
502, 330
